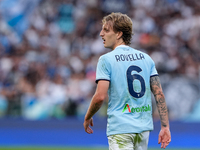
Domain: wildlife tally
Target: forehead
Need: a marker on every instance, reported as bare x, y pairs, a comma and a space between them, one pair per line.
108, 25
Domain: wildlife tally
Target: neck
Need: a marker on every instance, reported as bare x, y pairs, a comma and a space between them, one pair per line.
121, 42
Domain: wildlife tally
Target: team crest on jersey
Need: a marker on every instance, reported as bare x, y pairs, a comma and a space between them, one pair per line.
137, 109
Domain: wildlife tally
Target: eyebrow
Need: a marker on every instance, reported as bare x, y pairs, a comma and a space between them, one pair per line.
106, 26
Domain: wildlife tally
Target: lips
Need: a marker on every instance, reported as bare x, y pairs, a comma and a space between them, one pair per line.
103, 41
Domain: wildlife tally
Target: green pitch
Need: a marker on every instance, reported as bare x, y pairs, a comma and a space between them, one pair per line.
73, 148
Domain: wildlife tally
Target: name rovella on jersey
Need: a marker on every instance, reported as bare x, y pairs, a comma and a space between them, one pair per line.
129, 57
137, 109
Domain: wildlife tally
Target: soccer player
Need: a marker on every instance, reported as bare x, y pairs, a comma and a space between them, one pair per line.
127, 77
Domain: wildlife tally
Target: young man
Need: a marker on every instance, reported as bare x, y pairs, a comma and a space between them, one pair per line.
127, 76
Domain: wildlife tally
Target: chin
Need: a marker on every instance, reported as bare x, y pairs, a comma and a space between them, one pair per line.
107, 46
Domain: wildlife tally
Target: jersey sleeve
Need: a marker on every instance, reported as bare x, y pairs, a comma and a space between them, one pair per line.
103, 69
153, 69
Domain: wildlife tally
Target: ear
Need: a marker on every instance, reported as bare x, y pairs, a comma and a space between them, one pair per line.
119, 34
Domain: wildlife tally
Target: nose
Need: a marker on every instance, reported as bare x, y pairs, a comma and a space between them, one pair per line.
101, 33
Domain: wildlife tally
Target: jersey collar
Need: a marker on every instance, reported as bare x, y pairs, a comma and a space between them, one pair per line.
120, 46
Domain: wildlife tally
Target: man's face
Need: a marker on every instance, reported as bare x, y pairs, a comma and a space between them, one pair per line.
109, 36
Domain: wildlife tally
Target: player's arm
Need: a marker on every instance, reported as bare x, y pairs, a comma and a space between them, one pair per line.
160, 100
96, 103
164, 135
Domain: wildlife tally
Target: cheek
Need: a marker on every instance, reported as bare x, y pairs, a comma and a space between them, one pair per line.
112, 38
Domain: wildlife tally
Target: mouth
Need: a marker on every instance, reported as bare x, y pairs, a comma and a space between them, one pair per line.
103, 41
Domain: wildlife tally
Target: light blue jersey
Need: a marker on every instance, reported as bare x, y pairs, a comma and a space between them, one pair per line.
129, 106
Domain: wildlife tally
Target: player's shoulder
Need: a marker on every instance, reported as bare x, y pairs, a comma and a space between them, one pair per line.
106, 56
140, 51
104, 59
147, 56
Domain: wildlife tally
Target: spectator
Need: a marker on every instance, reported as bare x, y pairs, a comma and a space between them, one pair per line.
59, 43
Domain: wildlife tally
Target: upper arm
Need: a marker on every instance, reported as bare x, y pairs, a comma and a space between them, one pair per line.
102, 89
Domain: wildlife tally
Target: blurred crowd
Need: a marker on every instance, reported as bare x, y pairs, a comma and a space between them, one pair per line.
48, 70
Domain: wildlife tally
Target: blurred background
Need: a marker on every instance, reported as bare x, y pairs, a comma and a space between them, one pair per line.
48, 55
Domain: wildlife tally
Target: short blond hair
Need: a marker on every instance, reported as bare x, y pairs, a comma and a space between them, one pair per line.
120, 22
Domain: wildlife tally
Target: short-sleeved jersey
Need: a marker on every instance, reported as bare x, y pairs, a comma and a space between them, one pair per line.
129, 106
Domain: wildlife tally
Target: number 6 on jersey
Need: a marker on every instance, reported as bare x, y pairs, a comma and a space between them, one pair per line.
131, 78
